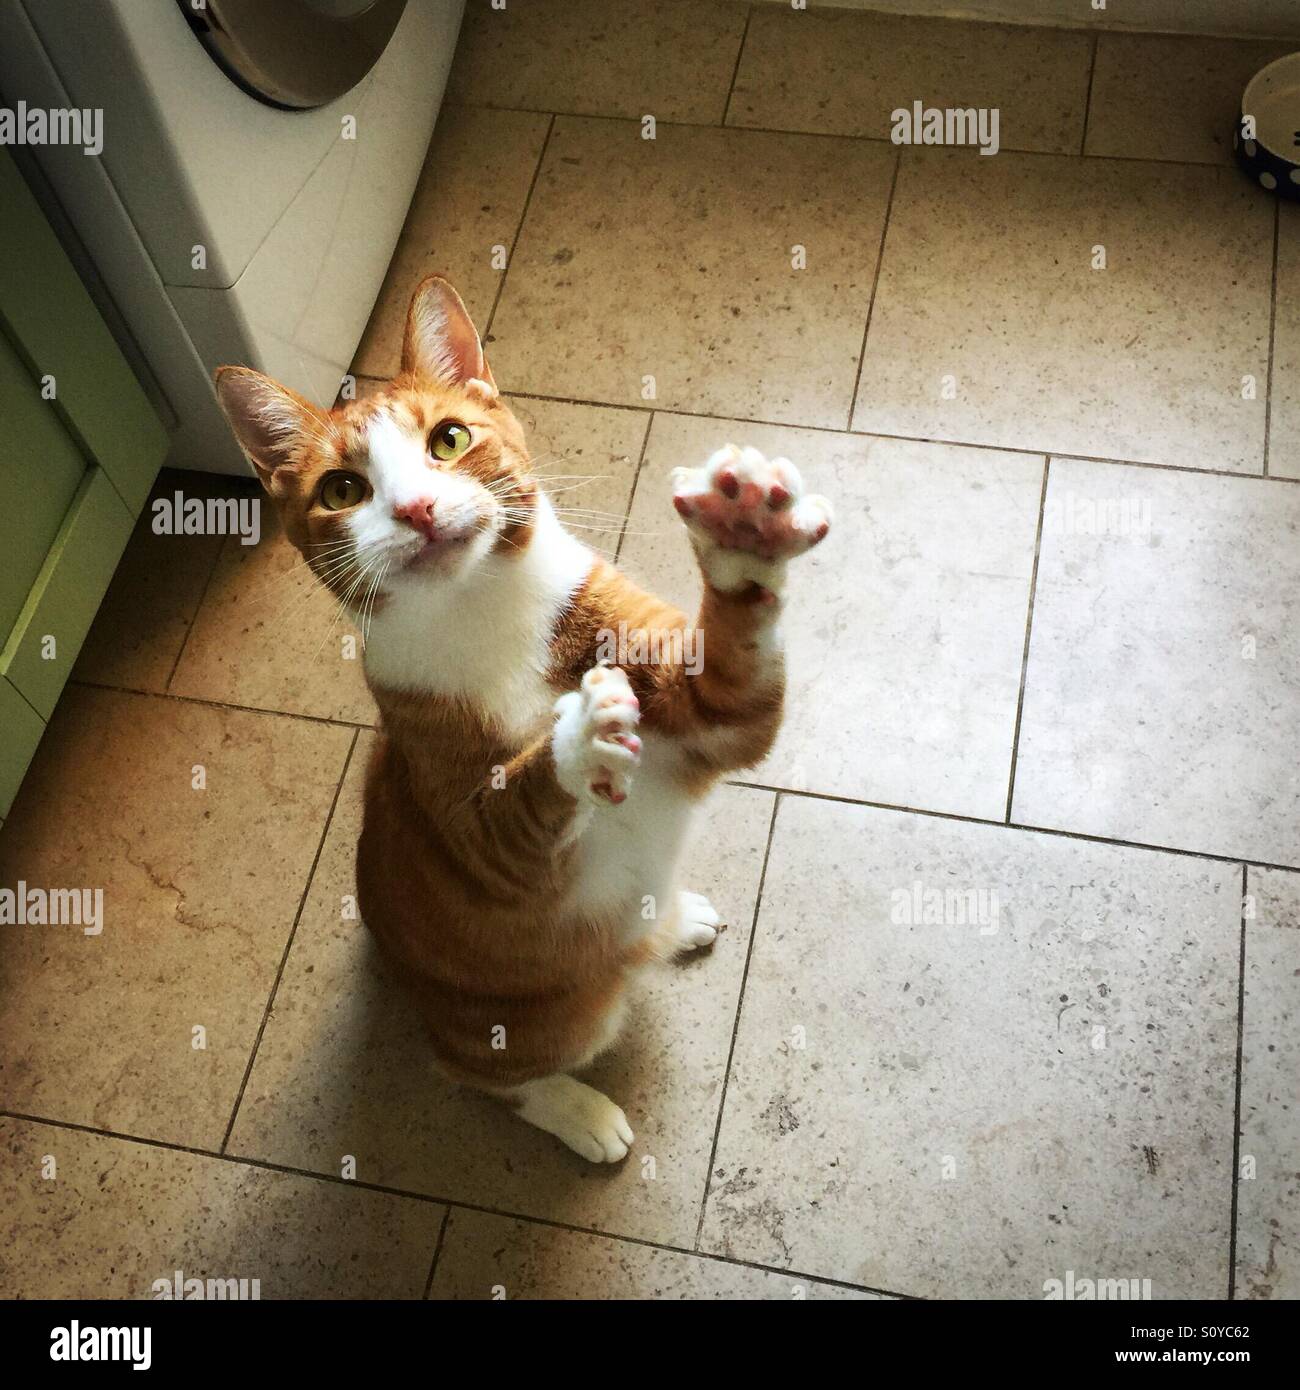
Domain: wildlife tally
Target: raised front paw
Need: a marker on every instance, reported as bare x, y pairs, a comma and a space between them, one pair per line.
594, 745
748, 515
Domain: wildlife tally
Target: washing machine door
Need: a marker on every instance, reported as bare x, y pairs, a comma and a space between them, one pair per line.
295, 53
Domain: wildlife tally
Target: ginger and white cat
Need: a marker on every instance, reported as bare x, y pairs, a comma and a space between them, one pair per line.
525, 802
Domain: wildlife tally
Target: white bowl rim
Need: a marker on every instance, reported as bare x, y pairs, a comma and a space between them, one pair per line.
1266, 76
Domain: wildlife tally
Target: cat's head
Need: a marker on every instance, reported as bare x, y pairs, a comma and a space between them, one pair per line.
417, 483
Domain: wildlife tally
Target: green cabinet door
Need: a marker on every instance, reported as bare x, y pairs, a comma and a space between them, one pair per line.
79, 451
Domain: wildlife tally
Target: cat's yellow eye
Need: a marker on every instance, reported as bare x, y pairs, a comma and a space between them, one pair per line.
449, 440
340, 491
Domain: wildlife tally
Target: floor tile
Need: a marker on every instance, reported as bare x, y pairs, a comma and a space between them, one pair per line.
673, 59
200, 888
129, 1214
1171, 96
904, 632
1162, 695
1284, 420
990, 325
839, 73
468, 203
946, 1109
146, 613
343, 1066
1268, 1192
586, 456
493, 1257
270, 636
673, 258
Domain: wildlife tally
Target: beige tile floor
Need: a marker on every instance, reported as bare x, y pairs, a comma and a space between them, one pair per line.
1046, 674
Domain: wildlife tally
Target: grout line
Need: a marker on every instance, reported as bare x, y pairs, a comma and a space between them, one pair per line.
224, 704
735, 1026
936, 150
265, 1165
1058, 455
1150, 848
198, 608
288, 945
1236, 1114
636, 478
1087, 102
519, 230
875, 285
437, 1251
1029, 627
1272, 333
735, 72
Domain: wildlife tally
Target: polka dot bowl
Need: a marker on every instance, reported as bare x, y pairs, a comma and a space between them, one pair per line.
1267, 138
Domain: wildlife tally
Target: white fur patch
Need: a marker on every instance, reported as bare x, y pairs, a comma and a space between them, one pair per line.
483, 635
627, 855
587, 1121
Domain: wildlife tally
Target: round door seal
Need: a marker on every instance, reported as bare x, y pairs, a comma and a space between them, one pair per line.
294, 53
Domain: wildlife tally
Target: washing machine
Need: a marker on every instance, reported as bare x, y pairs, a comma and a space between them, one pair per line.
257, 163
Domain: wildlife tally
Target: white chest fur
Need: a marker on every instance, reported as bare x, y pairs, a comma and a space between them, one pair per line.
484, 639
627, 854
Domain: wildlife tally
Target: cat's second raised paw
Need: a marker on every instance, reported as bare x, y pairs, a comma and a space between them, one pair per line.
594, 745
747, 515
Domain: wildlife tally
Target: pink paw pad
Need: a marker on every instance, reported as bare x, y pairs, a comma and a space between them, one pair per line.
742, 501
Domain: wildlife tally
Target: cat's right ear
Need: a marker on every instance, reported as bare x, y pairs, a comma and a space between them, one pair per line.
440, 339
271, 423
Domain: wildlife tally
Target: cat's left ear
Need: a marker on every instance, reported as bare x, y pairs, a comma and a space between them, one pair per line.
441, 340
271, 422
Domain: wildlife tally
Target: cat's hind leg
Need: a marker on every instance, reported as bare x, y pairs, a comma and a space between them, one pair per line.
577, 1114
692, 925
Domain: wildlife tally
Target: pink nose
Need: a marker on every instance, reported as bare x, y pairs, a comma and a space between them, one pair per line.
420, 514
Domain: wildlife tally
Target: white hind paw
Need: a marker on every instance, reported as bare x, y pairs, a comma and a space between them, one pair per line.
594, 746
579, 1115
747, 516
697, 922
